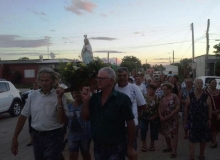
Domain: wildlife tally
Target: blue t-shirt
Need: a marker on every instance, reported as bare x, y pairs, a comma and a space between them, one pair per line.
78, 128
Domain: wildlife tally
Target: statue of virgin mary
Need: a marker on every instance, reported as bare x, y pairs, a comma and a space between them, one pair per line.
86, 54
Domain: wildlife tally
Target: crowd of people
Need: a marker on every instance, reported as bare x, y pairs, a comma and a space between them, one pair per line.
112, 115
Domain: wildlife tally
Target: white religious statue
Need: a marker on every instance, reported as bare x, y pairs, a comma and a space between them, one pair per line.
86, 54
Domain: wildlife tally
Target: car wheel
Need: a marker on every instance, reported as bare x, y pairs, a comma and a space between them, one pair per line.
15, 109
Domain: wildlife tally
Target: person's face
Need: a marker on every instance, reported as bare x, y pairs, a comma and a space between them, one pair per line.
138, 80
189, 83
150, 91
165, 90
174, 79
213, 84
122, 78
198, 84
77, 95
162, 78
103, 80
157, 82
46, 82
171, 80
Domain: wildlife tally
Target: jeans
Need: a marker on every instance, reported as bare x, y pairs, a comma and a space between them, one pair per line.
116, 152
48, 146
153, 129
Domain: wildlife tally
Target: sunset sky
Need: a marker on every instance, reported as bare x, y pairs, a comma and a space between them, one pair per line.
148, 29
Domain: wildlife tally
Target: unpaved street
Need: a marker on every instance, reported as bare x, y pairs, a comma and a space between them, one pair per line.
7, 126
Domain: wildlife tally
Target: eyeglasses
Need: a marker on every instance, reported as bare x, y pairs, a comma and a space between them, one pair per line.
101, 78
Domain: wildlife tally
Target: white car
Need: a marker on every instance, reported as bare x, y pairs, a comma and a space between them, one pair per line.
206, 80
10, 99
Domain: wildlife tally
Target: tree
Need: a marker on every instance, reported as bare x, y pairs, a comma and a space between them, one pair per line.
217, 47
131, 63
146, 66
186, 61
158, 67
23, 58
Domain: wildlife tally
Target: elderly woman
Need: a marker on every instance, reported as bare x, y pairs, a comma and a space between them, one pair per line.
198, 116
149, 116
215, 99
168, 112
183, 94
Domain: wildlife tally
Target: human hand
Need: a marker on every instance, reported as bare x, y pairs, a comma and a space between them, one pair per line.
132, 154
85, 93
60, 92
14, 146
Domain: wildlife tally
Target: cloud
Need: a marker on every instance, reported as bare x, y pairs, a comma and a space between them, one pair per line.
139, 33
37, 13
108, 51
103, 38
12, 41
21, 53
78, 6
103, 15
52, 30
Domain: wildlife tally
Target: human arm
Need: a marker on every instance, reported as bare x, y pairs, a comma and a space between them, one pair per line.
159, 112
180, 95
86, 98
60, 106
186, 110
176, 110
132, 154
209, 123
19, 126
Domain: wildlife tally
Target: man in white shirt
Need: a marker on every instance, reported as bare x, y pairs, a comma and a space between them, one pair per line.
47, 107
133, 92
140, 85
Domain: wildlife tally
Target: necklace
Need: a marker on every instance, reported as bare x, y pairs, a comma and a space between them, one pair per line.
214, 92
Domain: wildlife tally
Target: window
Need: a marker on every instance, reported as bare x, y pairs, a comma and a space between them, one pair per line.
4, 87
29, 73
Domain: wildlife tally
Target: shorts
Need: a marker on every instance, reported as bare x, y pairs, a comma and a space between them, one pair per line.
82, 145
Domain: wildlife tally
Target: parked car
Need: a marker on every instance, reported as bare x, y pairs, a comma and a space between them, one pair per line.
24, 96
206, 79
10, 100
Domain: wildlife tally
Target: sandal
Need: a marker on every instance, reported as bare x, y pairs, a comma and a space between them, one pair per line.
172, 156
151, 148
214, 146
167, 150
201, 157
144, 149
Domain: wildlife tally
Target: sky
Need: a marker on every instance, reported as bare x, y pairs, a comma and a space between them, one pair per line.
151, 30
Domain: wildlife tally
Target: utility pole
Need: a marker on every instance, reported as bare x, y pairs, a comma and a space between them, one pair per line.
193, 53
108, 57
207, 50
173, 56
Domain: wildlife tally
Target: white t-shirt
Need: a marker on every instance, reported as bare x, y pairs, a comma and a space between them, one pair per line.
143, 88
136, 97
43, 110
